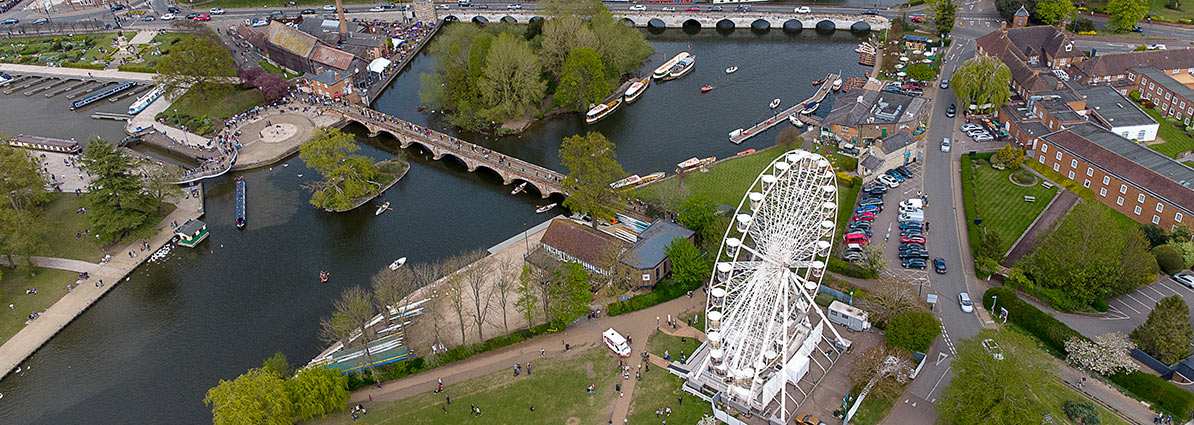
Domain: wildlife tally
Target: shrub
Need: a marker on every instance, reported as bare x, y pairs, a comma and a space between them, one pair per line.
1081, 25
1163, 394
81, 65
913, 330
845, 179
1169, 259
840, 266
665, 291
137, 68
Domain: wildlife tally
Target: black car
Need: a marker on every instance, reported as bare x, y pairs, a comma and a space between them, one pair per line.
939, 265
482, 6
118, 8
1136, 28
307, 12
875, 193
907, 246
864, 230
388, 6
952, 111
192, 15
904, 171
871, 12
910, 254
870, 201
173, 9
715, 9
914, 263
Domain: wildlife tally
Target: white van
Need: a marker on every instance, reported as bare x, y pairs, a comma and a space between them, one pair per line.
616, 342
912, 203
912, 216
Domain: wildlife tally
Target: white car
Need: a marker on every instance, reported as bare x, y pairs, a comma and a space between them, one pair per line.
669, 9
1185, 279
945, 144
377, 9
260, 22
638, 7
442, 7
168, 17
514, 6
803, 9
329, 8
889, 181
216, 11
964, 301
971, 127
1157, 47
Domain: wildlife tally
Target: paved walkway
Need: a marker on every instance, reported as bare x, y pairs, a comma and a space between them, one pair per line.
1058, 207
102, 74
1103, 394
145, 119
35, 334
67, 264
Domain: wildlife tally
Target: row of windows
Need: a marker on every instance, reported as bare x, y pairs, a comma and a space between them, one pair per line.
1123, 188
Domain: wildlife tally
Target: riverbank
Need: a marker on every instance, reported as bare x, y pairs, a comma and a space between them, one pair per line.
85, 293
394, 169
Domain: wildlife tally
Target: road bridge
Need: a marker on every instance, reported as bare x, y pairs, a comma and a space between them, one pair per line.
510, 169
726, 20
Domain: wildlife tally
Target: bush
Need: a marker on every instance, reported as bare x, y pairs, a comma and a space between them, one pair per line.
840, 266
1163, 394
913, 330
665, 291
845, 179
137, 68
81, 65
1082, 25
1169, 259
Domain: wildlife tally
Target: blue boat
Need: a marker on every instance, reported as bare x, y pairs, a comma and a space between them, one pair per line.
101, 95
810, 108
240, 202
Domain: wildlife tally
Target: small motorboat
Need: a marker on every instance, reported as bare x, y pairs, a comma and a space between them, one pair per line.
519, 188
810, 108
544, 208
397, 263
775, 103
731, 70
323, 276
796, 121
706, 89
837, 84
382, 208
819, 82
746, 152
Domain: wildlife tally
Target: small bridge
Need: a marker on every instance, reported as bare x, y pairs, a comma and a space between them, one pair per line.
511, 169
722, 20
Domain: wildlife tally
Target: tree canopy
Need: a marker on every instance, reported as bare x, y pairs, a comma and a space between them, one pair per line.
689, 266
117, 200
921, 72
1166, 334
982, 80
257, 397
1051, 12
583, 82
945, 12
512, 84
199, 63
1125, 14
913, 330
23, 187
572, 292
346, 177
987, 389
317, 391
592, 166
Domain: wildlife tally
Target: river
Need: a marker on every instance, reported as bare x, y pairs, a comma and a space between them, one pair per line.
149, 350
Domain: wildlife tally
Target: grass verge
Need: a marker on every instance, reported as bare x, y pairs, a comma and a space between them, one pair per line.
1176, 140
1001, 207
61, 237
875, 407
659, 343
662, 390
204, 116
50, 284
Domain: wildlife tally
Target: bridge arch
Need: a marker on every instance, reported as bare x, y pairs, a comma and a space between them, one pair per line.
629, 22
515, 181
443, 156
691, 23
413, 143
451, 18
826, 26
656, 23
480, 20
725, 24
793, 25
860, 27
509, 19
760, 25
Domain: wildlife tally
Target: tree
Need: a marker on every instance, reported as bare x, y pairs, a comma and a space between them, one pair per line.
317, 391
511, 85
21, 232
913, 330
890, 298
582, 82
527, 300
610, 259
257, 397
272, 86
698, 213
921, 71
391, 288
622, 47
346, 177
160, 184
1166, 334
1108, 354
248, 75
592, 166
991, 246
21, 181
689, 266
351, 314
1009, 157
117, 200
476, 277
1155, 234
571, 291
277, 365
1168, 259
983, 80
988, 390
874, 364
1083, 412
570, 8
1125, 14
454, 289
1007, 8
945, 12
560, 37
1186, 249
505, 285
1053, 11
196, 63
875, 258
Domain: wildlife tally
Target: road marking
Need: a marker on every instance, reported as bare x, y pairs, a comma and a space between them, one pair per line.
1116, 314
1170, 288
1127, 305
1154, 289
939, 380
1146, 296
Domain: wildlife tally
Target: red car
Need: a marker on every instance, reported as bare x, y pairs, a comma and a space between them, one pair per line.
202, 18
912, 239
693, 9
865, 216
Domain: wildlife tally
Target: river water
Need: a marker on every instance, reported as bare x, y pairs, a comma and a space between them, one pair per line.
149, 350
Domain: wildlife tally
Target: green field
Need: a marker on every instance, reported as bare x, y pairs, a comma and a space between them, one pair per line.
1176, 140
556, 390
659, 342
64, 222
875, 407
662, 389
50, 284
205, 116
41, 50
1000, 204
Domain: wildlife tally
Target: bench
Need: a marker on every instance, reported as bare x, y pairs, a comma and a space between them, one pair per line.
1047, 185
1029, 198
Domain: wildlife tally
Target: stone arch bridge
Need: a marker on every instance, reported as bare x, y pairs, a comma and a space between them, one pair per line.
548, 182
724, 20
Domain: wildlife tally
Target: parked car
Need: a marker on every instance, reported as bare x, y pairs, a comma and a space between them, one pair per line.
192, 16
173, 10
513, 6
872, 186
118, 8
904, 171
638, 7
914, 253
854, 256
868, 208
743, 8
438, 6
866, 216
1185, 279
914, 263
168, 17
912, 239
858, 238
871, 201
715, 9
971, 127
810, 420
669, 9
910, 225
906, 246
332, 8
693, 8
895, 175
803, 9
216, 11
939, 265
377, 9
951, 111
147, 18
616, 342
307, 12
983, 138
888, 180
47, 20
872, 12
964, 302
279, 13
1136, 28
203, 18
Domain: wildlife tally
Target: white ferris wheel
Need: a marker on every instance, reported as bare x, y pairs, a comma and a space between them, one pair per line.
769, 267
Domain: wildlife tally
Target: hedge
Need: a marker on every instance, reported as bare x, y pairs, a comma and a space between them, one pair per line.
1162, 394
418, 365
665, 291
137, 68
81, 65
1072, 186
840, 266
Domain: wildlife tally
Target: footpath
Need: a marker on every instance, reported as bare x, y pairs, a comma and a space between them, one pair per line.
79, 73
35, 334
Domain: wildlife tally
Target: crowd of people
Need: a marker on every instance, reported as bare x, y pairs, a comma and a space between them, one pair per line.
407, 37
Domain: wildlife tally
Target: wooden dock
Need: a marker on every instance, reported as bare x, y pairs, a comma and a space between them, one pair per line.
65, 89
111, 116
738, 137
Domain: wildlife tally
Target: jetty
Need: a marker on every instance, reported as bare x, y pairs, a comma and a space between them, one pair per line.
101, 95
65, 89
39, 89
111, 116
738, 137
26, 84
86, 90
153, 138
132, 93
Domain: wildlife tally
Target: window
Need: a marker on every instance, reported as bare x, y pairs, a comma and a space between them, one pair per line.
1044, 148
1177, 217
1119, 201
1123, 188
1140, 135
1089, 171
1166, 95
1140, 198
1160, 207
1055, 166
1086, 183
1106, 179
1073, 163
1058, 156
1071, 177
1041, 159
1190, 110
1156, 220
1103, 192
1150, 86
1183, 104
1137, 210
1124, 134
1132, 77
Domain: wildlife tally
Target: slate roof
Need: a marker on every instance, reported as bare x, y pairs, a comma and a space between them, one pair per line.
872, 162
1165, 81
861, 107
1022, 11
1120, 63
191, 227
290, 39
896, 142
1153, 172
1043, 39
648, 251
577, 240
332, 57
1113, 108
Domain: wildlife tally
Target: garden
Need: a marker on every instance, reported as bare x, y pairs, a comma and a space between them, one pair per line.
205, 116
1002, 206
62, 50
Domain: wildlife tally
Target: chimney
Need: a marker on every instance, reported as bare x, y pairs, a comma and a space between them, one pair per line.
343, 23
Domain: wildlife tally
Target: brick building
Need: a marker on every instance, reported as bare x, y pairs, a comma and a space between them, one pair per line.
1172, 91
861, 116
1113, 68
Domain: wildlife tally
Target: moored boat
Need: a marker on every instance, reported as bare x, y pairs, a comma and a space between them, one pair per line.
666, 68
397, 263
706, 89
774, 103
837, 84
810, 108
323, 276
240, 202
693, 163
819, 82
681, 68
746, 152
382, 208
731, 70
636, 89
145, 100
544, 208
601, 111
651, 177
795, 120
634, 179
519, 188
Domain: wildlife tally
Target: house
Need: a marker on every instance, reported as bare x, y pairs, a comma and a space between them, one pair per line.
1139, 182
327, 70
191, 233
889, 153
567, 241
1073, 104
1020, 19
1172, 92
647, 258
1036, 56
1113, 68
862, 115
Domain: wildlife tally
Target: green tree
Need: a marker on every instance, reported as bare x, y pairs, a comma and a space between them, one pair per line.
989, 390
689, 266
698, 213
200, 64
592, 166
1168, 259
317, 391
571, 8
983, 80
255, 398
160, 185
21, 181
945, 12
1166, 334
346, 178
1053, 11
277, 364
1155, 234
622, 48
583, 82
460, 52
527, 300
560, 37
511, 85
1010, 157
572, 292
21, 233
351, 314
117, 201
1125, 14
921, 71
913, 330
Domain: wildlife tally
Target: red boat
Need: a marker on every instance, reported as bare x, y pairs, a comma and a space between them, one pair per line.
706, 89
819, 82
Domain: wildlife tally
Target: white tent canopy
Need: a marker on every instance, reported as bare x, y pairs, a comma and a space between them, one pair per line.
378, 65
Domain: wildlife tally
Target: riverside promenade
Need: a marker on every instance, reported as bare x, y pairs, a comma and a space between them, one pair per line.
35, 334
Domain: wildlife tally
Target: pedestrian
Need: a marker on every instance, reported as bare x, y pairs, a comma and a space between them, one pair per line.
370, 398
448, 399
680, 400
542, 352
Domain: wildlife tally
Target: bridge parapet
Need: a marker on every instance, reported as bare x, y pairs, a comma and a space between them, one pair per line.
706, 19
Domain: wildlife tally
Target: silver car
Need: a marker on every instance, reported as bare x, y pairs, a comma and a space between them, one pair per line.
964, 302
1185, 279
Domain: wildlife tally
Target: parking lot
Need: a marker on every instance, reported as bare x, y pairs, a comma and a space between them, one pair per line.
885, 227
1129, 310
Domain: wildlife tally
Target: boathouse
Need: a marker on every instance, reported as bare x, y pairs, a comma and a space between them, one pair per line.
191, 233
648, 258
44, 144
567, 241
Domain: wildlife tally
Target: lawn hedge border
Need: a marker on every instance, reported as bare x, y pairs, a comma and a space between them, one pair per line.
665, 291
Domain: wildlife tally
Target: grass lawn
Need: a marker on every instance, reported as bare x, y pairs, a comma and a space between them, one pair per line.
50, 284
205, 116
875, 407
1156, 8
659, 342
556, 390
80, 48
698, 324
60, 236
1176, 140
1056, 395
1000, 204
270, 68
662, 389
276, 4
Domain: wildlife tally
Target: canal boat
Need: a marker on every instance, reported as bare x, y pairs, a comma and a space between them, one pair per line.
795, 120
774, 103
731, 70
693, 163
544, 208
634, 179
397, 263
837, 84
706, 89
145, 100
240, 202
810, 108
681, 68
382, 208
666, 68
601, 111
651, 177
636, 89
519, 188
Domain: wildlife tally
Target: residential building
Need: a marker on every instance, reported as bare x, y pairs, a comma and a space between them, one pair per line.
891, 152
1036, 56
1020, 19
1109, 108
1071, 105
1172, 92
1113, 68
860, 116
647, 258
1137, 181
